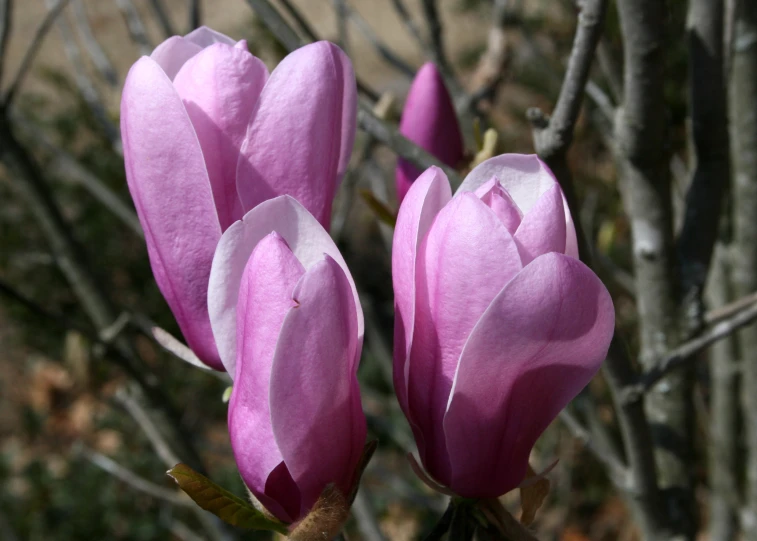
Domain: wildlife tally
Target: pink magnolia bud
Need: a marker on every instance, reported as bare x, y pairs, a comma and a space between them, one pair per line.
289, 327
498, 325
207, 135
428, 120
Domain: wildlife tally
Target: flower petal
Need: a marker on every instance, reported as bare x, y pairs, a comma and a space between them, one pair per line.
543, 227
539, 343
318, 423
496, 198
265, 297
220, 86
205, 37
169, 183
306, 238
173, 53
425, 199
302, 128
524, 176
430, 121
466, 258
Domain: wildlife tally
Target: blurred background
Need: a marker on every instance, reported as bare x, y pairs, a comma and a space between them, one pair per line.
83, 450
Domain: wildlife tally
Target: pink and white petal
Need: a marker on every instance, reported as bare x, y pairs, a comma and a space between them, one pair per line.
219, 87
524, 176
173, 53
466, 258
426, 197
169, 184
496, 198
205, 37
543, 227
301, 132
265, 297
538, 344
307, 239
571, 241
313, 384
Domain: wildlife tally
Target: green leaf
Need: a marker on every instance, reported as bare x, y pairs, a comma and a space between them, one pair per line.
221, 502
381, 209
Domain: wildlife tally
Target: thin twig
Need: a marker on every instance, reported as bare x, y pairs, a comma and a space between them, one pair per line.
132, 479
618, 471
163, 19
686, 351
135, 26
195, 14
340, 10
67, 166
300, 20
150, 429
390, 57
390, 136
31, 52
6, 19
407, 19
92, 46
87, 88
276, 24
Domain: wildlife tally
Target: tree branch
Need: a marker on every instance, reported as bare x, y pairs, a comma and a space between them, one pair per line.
6, 20
135, 27
92, 46
31, 52
163, 19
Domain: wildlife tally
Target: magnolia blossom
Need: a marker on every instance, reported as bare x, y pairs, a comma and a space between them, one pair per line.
429, 120
208, 135
498, 324
289, 327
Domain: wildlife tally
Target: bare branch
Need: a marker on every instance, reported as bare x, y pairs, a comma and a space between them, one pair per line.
340, 10
163, 19
710, 142
87, 88
6, 19
618, 471
435, 30
300, 21
390, 136
92, 46
407, 20
132, 479
276, 24
195, 14
135, 26
687, 350
31, 52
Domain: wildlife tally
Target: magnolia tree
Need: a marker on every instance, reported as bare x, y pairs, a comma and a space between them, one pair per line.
501, 315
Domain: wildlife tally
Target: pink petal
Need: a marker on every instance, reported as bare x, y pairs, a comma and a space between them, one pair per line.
543, 227
496, 198
205, 37
466, 258
220, 86
171, 191
265, 297
315, 408
306, 238
524, 176
539, 343
173, 53
430, 121
301, 132
425, 199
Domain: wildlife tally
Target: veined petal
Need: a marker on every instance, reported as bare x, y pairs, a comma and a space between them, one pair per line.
313, 384
538, 344
426, 198
307, 239
466, 258
302, 128
265, 297
219, 87
169, 184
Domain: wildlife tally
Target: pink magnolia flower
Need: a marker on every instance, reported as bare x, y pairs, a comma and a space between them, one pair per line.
208, 135
289, 327
498, 324
428, 120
